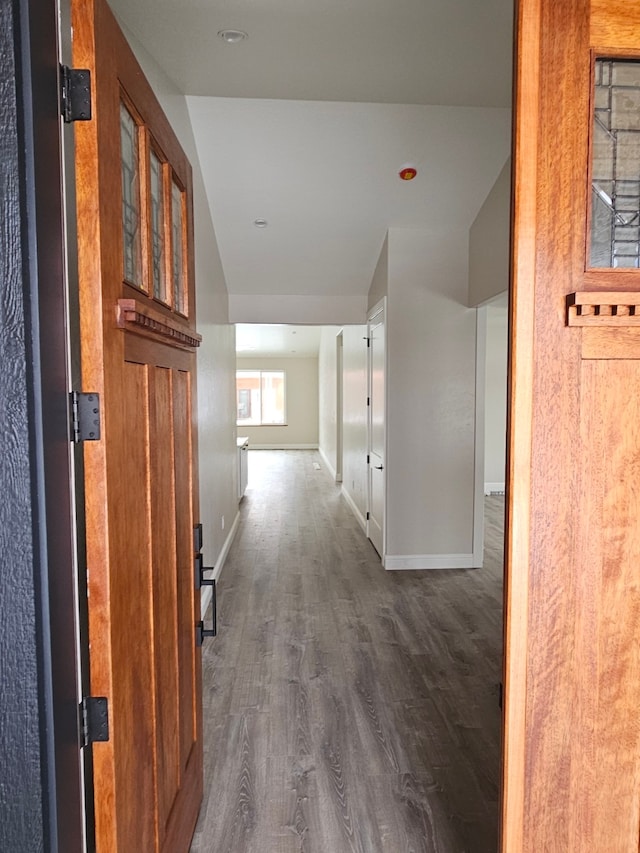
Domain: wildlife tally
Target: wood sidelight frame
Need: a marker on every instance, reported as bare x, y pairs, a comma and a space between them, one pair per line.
571, 750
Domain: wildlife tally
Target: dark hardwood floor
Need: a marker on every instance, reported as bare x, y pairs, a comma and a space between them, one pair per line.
347, 709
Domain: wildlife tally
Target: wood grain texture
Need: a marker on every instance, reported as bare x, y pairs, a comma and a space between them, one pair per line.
526, 97
346, 708
575, 669
610, 343
164, 585
551, 566
614, 25
607, 656
141, 489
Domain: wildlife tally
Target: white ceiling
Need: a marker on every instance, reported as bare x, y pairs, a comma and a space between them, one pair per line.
381, 51
254, 339
306, 123
325, 177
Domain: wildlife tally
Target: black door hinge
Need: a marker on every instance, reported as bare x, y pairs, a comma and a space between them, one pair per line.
85, 417
94, 720
500, 695
75, 94
368, 459
368, 401
368, 516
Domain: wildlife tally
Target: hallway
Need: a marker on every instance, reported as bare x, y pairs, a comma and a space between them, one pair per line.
346, 709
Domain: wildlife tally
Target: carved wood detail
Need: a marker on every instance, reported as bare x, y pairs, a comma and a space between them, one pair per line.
143, 320
604, 308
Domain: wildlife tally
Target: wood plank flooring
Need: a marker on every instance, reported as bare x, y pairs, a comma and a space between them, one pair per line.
347, 709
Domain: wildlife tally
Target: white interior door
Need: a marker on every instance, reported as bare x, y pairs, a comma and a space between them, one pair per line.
339, 406
375, 525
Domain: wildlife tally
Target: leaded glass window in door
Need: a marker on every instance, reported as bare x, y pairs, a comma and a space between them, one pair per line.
131, 218
157, 232
177, 248
615, 167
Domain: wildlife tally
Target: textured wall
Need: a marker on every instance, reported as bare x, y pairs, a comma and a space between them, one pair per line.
431, 350
21, 818
495, 400
302, 402
327, 396
489, 242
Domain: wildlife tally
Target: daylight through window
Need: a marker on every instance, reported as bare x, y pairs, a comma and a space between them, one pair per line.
261, 397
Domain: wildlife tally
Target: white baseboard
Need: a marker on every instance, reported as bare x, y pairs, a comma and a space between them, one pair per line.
493, 488
354, 509
429, 561
328, 464
282, 446
206, 595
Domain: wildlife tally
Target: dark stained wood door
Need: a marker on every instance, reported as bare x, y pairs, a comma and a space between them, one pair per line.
571, 778
138, 344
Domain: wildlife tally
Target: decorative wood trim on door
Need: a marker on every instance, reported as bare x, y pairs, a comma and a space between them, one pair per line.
609, 320
141, 319
604, 308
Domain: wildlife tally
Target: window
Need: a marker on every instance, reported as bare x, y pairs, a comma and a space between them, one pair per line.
261, 397
615, 167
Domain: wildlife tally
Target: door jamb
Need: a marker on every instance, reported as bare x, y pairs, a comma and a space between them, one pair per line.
50, 448
380, 307
339, 405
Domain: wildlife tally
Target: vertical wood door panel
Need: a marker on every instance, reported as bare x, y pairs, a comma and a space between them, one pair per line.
571, 765
185, 647
608, 651
141, 485
165, 593
133, 703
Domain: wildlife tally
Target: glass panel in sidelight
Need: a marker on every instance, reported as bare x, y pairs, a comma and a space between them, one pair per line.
615, 184
157, 228
130, 160
177, 248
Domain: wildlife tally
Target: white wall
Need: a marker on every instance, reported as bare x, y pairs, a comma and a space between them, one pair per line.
354, 436
301, 429
431, 356
216, 355
496, 396
380, 282
328, 396
489, 243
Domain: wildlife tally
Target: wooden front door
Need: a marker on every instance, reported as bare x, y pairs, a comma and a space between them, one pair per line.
138, 343
572, 669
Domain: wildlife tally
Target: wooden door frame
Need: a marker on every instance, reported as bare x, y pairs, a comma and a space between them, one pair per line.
38, 595
519, 423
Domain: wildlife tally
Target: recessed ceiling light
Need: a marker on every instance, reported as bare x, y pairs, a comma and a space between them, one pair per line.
233, 36
260, 223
